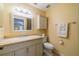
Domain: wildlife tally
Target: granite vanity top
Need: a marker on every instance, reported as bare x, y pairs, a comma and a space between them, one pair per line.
8, 41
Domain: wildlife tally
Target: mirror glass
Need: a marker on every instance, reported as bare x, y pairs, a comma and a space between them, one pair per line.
20, 23
29, 24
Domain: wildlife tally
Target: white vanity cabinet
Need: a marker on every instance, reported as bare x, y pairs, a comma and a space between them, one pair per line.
35, 50
27, 48
39, 50
32, 50
41, 22
21, 52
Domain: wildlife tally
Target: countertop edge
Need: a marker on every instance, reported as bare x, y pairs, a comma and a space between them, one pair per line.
3, 45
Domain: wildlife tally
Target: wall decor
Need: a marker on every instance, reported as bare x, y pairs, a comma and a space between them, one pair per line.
63, 30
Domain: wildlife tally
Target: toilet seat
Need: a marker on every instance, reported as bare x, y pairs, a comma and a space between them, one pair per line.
48, 45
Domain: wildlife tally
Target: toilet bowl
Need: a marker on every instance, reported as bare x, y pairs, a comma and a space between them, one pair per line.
48, 48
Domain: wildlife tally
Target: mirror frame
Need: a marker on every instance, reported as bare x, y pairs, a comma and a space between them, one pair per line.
21, 17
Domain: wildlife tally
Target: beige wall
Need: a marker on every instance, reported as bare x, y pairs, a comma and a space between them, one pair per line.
1, 16
64, 13
7, 19
55, 14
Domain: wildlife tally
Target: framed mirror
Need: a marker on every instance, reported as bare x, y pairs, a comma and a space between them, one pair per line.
20, 23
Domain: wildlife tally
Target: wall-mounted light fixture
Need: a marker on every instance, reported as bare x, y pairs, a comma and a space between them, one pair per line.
22, 12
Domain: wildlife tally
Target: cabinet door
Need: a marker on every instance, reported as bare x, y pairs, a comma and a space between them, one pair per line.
8, 54
39, 49
32, 50
21, 52
41, 22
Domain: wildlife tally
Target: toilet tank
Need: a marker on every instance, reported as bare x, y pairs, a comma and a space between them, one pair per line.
45, 39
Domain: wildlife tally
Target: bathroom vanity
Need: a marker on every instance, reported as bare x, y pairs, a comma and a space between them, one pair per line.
22, 46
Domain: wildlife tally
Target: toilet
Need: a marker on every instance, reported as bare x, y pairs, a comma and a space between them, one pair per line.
48, 47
